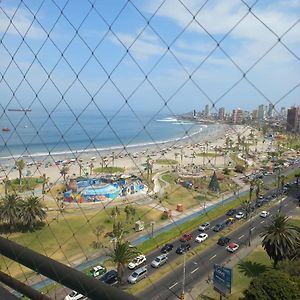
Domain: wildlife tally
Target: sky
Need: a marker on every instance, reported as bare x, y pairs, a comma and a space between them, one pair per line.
169, 56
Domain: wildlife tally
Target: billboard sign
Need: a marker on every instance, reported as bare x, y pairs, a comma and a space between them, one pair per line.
222, 280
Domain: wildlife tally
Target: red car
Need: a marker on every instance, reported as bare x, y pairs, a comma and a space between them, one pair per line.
186, 237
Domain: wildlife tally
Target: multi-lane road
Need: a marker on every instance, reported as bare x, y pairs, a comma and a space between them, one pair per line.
198, 268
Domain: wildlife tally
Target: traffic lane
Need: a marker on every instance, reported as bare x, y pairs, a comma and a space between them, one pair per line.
170, 286
172, 255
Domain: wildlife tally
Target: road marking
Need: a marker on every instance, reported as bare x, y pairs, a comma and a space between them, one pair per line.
213, 257
285, 205
195, 263
241, 237
252, 228
173, 285
262, 221
194, 270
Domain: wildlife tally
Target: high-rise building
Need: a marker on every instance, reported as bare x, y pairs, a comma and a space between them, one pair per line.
292, 121
206, 110
221, 114
261, 113
255, 114
270, 110
237, 116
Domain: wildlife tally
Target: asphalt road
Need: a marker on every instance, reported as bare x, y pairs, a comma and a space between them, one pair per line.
170, 286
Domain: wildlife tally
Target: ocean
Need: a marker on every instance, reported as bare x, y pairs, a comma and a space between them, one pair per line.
37, 134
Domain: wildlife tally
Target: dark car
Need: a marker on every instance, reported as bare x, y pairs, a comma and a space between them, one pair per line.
111, 277
231, 212
186, 237
167, 248
183, 248
259, 203
218, 227
224, 240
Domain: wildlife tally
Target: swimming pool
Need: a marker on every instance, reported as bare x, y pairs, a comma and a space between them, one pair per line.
110, 191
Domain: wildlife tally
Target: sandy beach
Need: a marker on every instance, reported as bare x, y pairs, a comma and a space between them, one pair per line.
131, 158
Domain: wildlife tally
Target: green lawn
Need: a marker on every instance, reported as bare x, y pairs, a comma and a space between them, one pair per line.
27, 184
69, 236
166, 162
108, 170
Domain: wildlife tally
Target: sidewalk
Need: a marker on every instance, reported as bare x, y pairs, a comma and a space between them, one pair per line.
202, 285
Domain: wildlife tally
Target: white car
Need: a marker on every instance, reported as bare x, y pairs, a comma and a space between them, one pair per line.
204, 226
74, 296
264, 214
239, 215
201, 237
137, 262
159, 260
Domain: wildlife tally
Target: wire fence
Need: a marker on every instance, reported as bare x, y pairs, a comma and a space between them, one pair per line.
114, 112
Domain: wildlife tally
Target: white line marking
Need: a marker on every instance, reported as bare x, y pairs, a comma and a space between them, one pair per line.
241, 237
285, 205
262, 221
194, 270
195, 263
213, 257
252, 228
173, 285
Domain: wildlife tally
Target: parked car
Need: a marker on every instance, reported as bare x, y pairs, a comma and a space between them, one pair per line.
186, 237
183, 248
201, 237
218, 227
264, 214
204, 226
96, 271
137, 262
229, 221
167, 248
138, 275
223, 240
159, 260
231, 212
232, 247
259, 203
74, 296
111, 277
240, 215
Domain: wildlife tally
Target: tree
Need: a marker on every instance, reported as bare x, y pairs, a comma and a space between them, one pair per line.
64, 171
44, 183
226, 171
132, 212
259, 183
98, 231
280, 239
127, 211
272, 285
121, 255
32, 211
10, 210
297, 176
91, 167
252, 184
20, 165
239, 168
246, 206
115, 212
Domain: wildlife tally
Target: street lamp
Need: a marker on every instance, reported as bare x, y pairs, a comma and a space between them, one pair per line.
183, 279
152, 227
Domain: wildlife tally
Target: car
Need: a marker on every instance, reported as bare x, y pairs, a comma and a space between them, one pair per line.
138, 275
96, 271
218, 227
110, 277
183, 248
186, 237
240, 215
259, 203
137, 261
204, 226
74, 296
223, 240
167, 248
201, 237
264, 214
159, 260
231, 212
229, 221
232, 247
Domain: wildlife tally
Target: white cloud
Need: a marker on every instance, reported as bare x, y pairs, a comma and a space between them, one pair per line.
21, 22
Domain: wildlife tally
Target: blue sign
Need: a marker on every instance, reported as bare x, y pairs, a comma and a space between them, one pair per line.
222, 280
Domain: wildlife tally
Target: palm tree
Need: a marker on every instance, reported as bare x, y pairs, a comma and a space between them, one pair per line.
115, 212
259, 183
10, 209
252, 184
20, 165
127, 211
64, 171
44, 183
280, 239
122, 254
91, 167
97, 232
32, 211
6, 184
